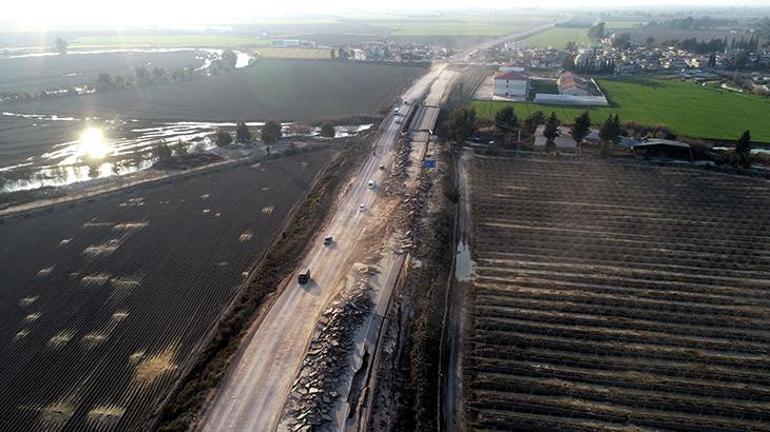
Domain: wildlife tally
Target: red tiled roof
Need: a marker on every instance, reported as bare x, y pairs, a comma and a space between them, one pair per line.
519, 76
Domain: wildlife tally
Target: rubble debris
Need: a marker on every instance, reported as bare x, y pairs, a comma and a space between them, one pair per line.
313, 394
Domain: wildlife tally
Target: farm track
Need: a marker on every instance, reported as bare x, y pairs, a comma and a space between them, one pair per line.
104, 302
614, 297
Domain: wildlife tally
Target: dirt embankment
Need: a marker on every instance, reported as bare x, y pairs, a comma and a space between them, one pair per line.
182, 409
407, 377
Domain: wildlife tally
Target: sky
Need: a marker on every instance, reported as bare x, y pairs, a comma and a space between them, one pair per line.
42, 14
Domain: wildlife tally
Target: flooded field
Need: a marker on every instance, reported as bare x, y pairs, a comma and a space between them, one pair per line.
33, 71
44, 150
104, 303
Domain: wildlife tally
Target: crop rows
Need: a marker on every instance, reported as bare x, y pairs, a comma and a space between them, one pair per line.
103, 303
617, 297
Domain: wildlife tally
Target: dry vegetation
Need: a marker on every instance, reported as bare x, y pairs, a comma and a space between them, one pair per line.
617, 297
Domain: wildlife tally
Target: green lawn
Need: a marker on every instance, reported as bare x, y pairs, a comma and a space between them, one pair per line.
163, 40
456, 26
623, 24
559, 38
294, 53
685, 107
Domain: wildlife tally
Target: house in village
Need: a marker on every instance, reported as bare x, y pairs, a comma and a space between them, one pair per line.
511, 84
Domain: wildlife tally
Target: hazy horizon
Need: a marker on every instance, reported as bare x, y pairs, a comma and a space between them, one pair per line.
88, 13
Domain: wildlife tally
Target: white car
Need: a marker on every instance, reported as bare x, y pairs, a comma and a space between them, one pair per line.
362, 207
371, 184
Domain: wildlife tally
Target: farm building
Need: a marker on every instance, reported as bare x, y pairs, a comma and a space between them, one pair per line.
573, 85
663, 149
510, 68
511, 84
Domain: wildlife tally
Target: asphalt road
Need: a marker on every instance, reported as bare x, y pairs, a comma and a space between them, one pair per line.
255, 391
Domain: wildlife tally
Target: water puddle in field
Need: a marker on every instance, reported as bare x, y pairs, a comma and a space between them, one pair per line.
26, 301
61, 339
128, 146
45, 272
105, 417
152, 367
246, 236
56, 415
463, 263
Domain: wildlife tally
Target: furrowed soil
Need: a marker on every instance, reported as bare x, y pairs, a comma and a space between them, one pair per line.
104, 303
280, 89
611, 296
198, 387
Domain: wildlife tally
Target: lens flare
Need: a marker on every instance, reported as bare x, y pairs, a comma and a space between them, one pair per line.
93, 145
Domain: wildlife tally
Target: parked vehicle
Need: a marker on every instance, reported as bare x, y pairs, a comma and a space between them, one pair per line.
304, 277
371, 184
362, 207
328, 240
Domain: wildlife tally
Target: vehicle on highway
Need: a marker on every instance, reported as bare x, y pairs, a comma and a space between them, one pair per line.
328, 240
396, 111
371, 184
304, 277
362, 207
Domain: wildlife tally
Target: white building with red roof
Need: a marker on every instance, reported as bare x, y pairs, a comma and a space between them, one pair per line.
511, 84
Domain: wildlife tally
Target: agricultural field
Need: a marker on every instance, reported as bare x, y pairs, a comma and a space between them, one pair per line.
687, 108
294, 53
104, 303
465, 25
166, 40
32, 74
454, 31
281, 89
618, 24
614, 297
558, 38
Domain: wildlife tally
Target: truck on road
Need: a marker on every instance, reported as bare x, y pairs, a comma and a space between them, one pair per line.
304, 277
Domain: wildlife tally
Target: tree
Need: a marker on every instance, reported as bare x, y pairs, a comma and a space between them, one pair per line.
271, 131
505, 120
142, 75
551, 131
650, 42
581, 127
597, 31
229, 59
61, 45
222, 137
162, 151
610, 134
327, 130
461, 123
743, 151
104, 81
242, 133
623, 41
533, 121
158, 74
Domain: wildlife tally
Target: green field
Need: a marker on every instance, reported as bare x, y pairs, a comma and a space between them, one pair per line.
294, 53
458, 26
685, 107
558, 38
623, 24
161, 40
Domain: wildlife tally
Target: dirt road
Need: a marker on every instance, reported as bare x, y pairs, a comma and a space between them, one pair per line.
255, 391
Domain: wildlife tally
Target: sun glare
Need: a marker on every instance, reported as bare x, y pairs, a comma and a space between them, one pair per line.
93, 145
